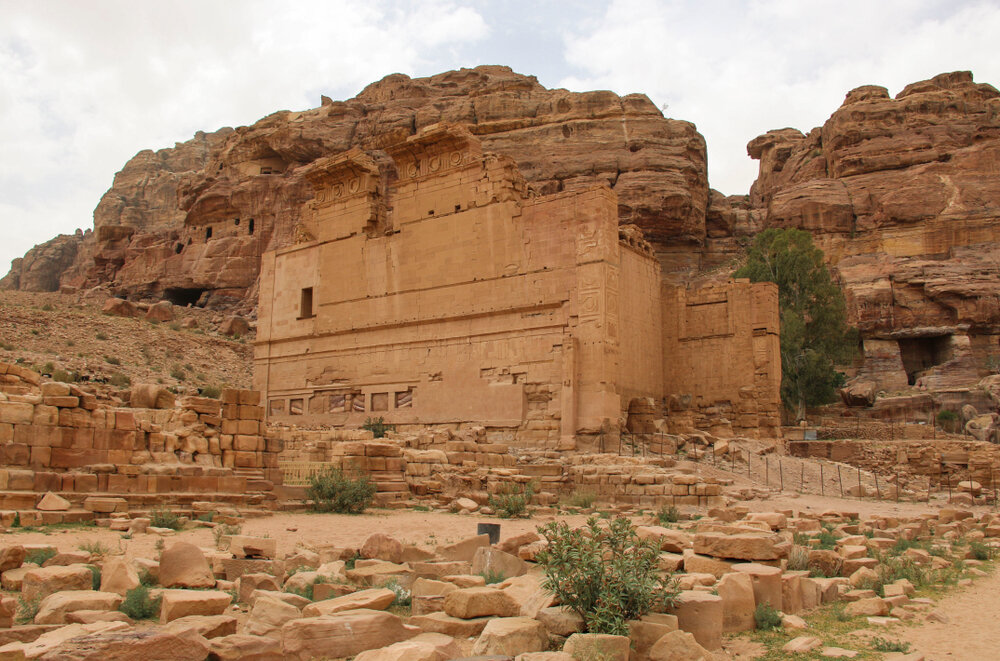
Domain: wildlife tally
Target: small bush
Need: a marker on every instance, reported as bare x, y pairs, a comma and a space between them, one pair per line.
95, 548
403, 597
39, 556
582, 499
178, 373
65, 377
604, 572
146, 578
880, 644
112, 360
101, 336
138, 605
827, 540
377, 427
224, 529
668, 514
164, 518
766, 617
207, 517
47, 308
798, 559
511, 500
351, 562
95, 577
212, 392
491, 576
27, 609
981, 551
120, 380
334, 490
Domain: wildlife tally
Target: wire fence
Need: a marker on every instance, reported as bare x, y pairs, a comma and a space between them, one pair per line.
810, 475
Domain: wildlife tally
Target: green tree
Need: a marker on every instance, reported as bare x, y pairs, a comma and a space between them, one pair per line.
815, 336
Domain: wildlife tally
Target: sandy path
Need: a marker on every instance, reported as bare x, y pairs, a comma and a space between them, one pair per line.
427, 529
972, 632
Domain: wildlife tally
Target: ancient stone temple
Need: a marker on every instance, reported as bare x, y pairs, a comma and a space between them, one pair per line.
429, 285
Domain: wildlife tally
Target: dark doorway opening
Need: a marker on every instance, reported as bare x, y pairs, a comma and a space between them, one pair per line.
250, 226
922, 353
183, 297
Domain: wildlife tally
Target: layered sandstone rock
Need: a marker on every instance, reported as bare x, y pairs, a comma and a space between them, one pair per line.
189, 223
902, 195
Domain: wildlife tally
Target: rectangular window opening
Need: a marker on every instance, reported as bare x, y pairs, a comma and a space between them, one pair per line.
306, 303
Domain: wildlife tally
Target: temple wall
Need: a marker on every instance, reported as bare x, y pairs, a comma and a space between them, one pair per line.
450, 296
721, 355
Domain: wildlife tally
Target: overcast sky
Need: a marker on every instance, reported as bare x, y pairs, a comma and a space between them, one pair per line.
85, 84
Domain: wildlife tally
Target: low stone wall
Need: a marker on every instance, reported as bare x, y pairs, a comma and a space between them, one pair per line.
56, 437
941, 461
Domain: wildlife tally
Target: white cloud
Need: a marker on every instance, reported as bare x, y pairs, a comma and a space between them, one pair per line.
739, 69
84, 86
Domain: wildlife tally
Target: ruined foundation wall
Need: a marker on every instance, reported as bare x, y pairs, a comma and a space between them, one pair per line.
56, 437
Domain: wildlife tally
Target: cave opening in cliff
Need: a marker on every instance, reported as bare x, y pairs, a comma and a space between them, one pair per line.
183, 296
922, 353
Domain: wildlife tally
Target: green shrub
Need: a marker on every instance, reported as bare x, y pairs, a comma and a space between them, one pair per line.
101, 336
39, 556
604, 572
827, 540
138, 605
146, 578
334, 490
352, 561
164, 518
120, 380
95, 548
981, 551
583, 499
178, 372
212, 392
112, 360
27, 609
377, 427
492, 576
95, 577
65, 377
766, 617
880, 644
668, 514
403, 597
511, 500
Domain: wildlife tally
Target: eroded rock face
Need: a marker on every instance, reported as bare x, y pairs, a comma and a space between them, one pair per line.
189, 223
902, 195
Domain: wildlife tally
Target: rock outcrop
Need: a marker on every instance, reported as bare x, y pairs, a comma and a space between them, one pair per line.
902, 195
189, 223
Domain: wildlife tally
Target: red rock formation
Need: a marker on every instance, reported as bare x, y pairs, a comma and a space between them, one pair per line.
903, 195
189, 223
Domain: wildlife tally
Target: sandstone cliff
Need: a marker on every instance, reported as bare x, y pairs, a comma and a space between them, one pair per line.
903, 195
189, 223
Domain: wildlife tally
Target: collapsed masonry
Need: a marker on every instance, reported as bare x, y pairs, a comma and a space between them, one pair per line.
56, 437
430, 286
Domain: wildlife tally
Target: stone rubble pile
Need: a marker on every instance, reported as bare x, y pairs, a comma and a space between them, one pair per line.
386, 600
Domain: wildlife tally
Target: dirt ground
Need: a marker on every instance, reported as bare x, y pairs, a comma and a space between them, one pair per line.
971, 632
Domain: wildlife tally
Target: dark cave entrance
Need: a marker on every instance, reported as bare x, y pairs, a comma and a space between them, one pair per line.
922, 353
183, 297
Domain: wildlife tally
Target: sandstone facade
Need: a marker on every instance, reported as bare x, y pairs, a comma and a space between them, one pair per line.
431, 287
